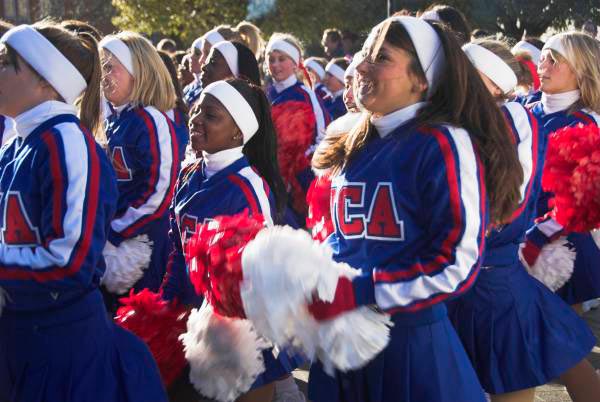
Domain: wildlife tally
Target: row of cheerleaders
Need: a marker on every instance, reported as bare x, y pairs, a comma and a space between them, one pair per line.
453, 228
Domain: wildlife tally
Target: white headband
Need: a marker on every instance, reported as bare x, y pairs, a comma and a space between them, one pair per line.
213, 37
555, 43
428, 46
230, 53
431, 15
285, 47
491, 66
198, 43
335, 70
47, 61
120, 50
236, 105
533, 51
315, 66
352, 67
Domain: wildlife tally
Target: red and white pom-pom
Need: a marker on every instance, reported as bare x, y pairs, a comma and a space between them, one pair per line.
126, 263
294, 124
554, 265
283, 270
159, 324
225, 354
213, 256
572, 173
318, 199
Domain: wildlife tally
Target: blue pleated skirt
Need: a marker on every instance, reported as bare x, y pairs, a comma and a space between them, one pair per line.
517, 333
584, 285
74, 354
424, 361
277, 366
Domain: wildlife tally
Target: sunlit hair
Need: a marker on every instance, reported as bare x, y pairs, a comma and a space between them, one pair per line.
152, 84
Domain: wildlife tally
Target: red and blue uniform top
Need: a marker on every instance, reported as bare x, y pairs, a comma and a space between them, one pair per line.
410, 211
549, 123
335, 105
58, 195
322, 91
502, 242
192, 92
198, 198
291, 91
144, 151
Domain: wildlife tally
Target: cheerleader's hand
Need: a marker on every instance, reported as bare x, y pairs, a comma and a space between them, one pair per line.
344, 300
541, 234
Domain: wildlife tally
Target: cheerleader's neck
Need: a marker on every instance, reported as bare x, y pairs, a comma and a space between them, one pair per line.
28, 121
281, 86
214, 163
386, 124
559, 102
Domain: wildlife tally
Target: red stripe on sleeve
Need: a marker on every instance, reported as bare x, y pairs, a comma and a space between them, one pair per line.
248, 193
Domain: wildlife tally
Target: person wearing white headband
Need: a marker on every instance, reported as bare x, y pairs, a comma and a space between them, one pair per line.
524, 46
144, 149
58, 195
334, 80
399, 179
315, 66
200, 52
231, 128
230, 59
569, 75
504, 285
292, 102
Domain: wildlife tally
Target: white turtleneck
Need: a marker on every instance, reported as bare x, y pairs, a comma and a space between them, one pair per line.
559, 102
214, 163
386, 124
280, 86
28, 121
337, 94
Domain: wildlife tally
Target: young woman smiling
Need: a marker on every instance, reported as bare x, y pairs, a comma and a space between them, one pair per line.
414, 188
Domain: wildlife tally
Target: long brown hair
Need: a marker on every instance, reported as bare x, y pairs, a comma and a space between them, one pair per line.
461, 99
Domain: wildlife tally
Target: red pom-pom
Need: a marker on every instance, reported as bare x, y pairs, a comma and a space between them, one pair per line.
572, 173
318, 199
214, 255
294, 124
158, 323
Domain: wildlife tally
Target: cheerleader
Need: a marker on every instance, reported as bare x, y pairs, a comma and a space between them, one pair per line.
177, 115
528, 55
334, 80
144, 150
245, 32
299, 117
227, 60
410, 209
569, 77
59, 196
517, 333
315, 66
231, 125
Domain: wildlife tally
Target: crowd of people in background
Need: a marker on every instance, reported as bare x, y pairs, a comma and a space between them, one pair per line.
429, 140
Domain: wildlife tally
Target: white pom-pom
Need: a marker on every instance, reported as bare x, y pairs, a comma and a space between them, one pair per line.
554, 266
125, 264
225, 354
283, 268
